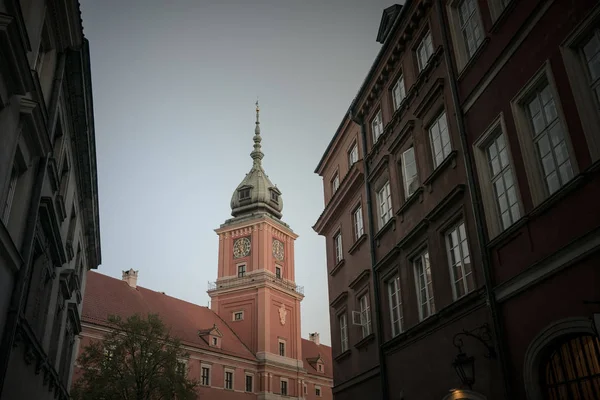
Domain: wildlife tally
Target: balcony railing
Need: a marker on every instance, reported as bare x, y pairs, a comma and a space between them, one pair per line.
235, 282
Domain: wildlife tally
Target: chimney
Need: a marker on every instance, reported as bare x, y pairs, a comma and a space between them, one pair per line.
314, 337
130, 277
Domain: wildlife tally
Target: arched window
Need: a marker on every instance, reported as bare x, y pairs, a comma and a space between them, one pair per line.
571, 369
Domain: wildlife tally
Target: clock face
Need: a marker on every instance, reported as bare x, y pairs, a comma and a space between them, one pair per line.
278, 250
241, 247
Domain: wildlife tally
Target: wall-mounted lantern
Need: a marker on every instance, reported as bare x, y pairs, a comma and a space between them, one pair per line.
463, 364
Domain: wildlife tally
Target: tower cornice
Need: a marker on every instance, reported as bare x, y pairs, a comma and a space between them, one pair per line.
245, 224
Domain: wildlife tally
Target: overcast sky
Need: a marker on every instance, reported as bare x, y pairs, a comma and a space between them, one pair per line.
174, 87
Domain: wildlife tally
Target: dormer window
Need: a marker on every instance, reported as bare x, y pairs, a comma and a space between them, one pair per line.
274, 196
320, 367
215, 341
244, 194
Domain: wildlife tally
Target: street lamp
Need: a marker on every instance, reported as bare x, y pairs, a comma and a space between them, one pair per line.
465, 369
465, 365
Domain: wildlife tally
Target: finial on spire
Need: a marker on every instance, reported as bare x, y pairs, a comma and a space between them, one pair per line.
257, 154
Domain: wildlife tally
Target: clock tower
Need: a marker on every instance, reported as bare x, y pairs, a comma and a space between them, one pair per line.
255, 290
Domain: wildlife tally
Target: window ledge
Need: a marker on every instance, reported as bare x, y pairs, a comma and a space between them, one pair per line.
450, 160
418, 194
473, 60
365, 341
343, 355
337, 267
357, 243
385, 228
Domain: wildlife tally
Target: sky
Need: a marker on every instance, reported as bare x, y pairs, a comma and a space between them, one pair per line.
174, 86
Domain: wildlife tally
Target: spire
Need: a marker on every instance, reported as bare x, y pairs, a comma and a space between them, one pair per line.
257, 153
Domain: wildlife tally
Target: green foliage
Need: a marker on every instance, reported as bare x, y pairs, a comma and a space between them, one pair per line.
137, 360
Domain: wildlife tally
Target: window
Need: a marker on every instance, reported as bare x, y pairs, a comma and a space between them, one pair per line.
353, 155
228, 380
12, 186
281, 348
337, 241
284, 387
440, 139
461, 271
343, 333
244, 194
384, 202
215, 341
335, 183
238, 316
424, 285
424, 51
357, 220
320, 367
541, 131
571, 368
365, 315
395, 299
377, 126
591, 53
305, 389
249, 383
549, 139
317, 391
398, 92
409, 172
470, 26
278, 272
502, 179
205, 376
181, 367
274, 196
241, 270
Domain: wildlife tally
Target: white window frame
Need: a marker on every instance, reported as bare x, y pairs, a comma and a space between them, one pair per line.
209, 368
459, 28
279, 343
462, 260
422, 266
335, 183
235, 313
185, 364
377, 126
365, 314
10, 196
248, 374
578, 73
438, 132
287, 386
411, 183
535, 177
338, 247
353, 155
425, 48
225, 372
243, 266
487, 179
318, 391
398, 92
395, 303
278, 275
384, 205
357, 222
343, 321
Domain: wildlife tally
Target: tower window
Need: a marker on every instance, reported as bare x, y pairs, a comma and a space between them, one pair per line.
244, 194
238, 316
241, 270
274, 196
282, 348
278, 272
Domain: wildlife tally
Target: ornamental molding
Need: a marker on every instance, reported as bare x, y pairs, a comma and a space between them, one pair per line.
282, 314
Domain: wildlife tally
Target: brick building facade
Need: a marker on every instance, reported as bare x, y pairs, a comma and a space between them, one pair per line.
442, 218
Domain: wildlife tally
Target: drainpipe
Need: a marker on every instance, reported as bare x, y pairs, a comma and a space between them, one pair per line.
376, 289
476, 204
18, 293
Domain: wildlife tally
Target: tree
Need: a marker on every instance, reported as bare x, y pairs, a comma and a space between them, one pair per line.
137, 360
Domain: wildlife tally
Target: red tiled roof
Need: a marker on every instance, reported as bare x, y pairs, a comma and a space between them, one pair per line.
105, 295
312, 350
